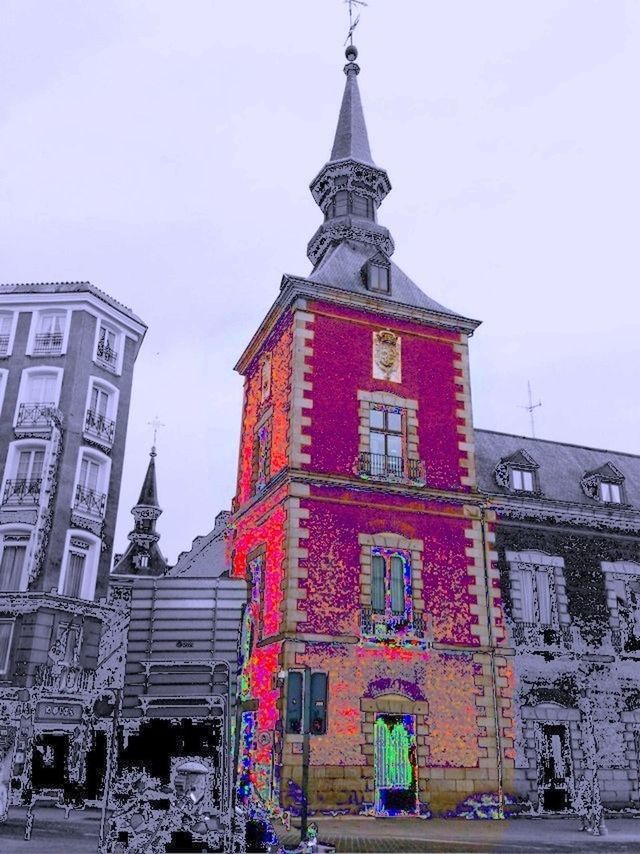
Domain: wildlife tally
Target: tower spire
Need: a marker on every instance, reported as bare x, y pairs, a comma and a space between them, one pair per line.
350, 187
143, 556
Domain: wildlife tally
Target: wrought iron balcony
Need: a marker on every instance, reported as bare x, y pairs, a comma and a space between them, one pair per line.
99, 426
383, 467
388, 626
536, 636
107, 355
4, 345
48, 344
63, 678
22, 491
32, 415
89, 501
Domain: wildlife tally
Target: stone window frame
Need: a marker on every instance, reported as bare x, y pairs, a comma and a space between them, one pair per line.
369, 399
555, 565
389, 540
618, 571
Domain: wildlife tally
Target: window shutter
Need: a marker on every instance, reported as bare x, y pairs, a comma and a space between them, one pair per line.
526, 595
294, 702
543, 585
397, 585
377, 584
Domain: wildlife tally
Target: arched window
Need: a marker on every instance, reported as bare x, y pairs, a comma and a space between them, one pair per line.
24, 473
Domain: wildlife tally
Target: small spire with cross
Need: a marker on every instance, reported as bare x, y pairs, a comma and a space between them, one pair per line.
156, 424
353, 23
530, 407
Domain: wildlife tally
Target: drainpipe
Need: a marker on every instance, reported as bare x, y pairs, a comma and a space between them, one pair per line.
492, 655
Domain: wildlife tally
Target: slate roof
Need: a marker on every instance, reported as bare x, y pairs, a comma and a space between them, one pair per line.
561, 466
69, 288
207, 555
341, 268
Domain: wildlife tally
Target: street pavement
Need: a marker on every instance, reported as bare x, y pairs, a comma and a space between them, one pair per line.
53, 834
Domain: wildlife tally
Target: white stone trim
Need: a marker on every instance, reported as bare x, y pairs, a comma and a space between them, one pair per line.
536, 557
301, 384
621, 567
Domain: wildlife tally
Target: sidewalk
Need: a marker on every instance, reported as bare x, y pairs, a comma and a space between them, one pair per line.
51, 832
353, 834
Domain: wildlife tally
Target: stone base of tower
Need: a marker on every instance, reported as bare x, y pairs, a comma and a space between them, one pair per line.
352, 788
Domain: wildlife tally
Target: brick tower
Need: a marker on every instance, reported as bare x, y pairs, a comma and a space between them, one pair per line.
374, 616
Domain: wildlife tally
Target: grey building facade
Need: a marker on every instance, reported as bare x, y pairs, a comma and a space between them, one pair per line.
567, 540
67, 353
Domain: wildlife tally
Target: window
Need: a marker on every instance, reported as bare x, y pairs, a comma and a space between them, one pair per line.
91, 486
629, 614
6, 634
261, 456
74, 575
12, 562
257, 580
610, 492
390, 583
79, 565
378, 277
522, 480
107, 348
362, 206
26, 485
314, 694
100, 422
39, 394
49, 337
536, 595
386, 441
6, 333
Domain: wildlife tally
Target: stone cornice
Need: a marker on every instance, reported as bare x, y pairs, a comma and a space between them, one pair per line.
295, 288
552, 512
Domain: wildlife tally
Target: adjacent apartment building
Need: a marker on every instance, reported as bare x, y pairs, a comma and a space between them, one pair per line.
67, 352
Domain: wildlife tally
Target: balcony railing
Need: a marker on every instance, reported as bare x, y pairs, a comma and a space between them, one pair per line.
386, 467
63, 679
4, 345
540, 637
386, 626
48, 344
99, 426
106, 354
89, 501
22, 491
34, 415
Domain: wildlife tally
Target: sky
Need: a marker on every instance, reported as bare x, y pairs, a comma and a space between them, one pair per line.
162, 149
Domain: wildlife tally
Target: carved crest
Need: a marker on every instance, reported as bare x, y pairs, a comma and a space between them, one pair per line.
386, 356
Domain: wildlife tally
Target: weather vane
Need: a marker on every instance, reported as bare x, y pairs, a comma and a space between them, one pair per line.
530, 409
353, 23
156, 424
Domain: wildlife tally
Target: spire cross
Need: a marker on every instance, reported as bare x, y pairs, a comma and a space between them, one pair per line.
156, 424
530, 409
353, 24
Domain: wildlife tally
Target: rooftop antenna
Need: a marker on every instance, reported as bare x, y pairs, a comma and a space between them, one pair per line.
156, 424
530, 409
353, 23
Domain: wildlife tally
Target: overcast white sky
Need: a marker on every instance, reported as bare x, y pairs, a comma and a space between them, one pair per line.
163, 149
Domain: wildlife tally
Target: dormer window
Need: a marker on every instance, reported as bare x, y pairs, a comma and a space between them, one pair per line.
522, 480
377, 274
604, 484
518, 472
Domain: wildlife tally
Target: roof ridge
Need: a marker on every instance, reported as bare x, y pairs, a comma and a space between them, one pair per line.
556, 442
